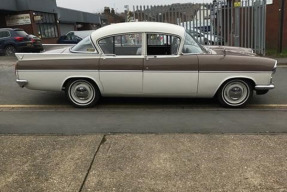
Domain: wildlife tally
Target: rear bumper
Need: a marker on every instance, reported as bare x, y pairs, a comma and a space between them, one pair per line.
22, 83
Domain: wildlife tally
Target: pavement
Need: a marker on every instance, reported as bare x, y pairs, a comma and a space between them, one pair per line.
281, 61
143, 162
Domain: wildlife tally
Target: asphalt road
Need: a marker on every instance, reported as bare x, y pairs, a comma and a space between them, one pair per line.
25, 111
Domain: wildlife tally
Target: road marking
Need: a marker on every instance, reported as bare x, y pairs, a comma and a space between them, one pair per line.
144, 106
33, 106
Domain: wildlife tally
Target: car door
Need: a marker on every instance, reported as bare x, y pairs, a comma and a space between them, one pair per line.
121, 64
165, 72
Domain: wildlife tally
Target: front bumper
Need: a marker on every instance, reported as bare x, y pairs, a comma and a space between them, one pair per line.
264, 87
22, 83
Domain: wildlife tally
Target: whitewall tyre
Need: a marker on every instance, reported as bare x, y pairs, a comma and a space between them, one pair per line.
82, 93
235, 93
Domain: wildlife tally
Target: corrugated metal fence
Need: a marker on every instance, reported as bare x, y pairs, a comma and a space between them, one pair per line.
227, 22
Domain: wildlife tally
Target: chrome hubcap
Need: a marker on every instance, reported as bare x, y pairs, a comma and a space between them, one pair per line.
82, 92
236, 93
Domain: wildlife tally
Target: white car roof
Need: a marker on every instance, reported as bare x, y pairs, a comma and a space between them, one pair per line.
136, 27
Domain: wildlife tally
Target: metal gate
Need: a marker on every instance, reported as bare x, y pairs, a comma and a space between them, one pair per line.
225, 22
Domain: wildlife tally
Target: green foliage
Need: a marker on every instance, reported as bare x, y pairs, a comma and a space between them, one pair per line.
274, 53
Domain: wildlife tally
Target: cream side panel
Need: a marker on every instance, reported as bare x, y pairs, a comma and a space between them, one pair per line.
52, 80
121, 82
209, 82
171, 83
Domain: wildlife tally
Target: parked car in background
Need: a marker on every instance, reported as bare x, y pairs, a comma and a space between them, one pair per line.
206, 38
17, 40
147, 59
213, 39
199, 36
74, 37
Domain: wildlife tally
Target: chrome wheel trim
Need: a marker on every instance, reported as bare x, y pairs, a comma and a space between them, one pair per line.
82, 92
10, 50
235, 93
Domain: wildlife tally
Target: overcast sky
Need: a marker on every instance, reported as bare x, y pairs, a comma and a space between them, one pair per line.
96, 6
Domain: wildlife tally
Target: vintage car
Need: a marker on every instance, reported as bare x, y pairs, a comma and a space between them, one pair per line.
146, 59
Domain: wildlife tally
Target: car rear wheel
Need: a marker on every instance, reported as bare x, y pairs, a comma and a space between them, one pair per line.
10, 50
82, 93
235, 93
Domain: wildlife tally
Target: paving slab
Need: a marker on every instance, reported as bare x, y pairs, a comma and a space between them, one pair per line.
45, 163
190, 162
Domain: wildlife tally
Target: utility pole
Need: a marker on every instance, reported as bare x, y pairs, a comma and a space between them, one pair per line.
281, 25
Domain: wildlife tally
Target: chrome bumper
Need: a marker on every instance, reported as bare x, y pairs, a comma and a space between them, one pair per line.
264, 87
22, 83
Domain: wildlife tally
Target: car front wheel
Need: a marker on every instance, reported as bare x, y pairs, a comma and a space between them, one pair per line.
10, 50
235, 93
82, 93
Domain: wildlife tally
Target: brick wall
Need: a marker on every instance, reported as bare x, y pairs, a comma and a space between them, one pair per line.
272, 25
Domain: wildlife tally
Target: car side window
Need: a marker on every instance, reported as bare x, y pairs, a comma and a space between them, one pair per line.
125, 44
162, 44
4, 34
84, 46
71, 36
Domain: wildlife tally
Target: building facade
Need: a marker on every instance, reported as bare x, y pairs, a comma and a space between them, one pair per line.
44, 19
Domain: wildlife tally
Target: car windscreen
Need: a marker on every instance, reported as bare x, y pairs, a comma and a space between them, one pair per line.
21, 33
192, 46
85, 46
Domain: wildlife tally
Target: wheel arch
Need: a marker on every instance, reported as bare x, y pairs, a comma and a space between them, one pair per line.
92, 80
248, 79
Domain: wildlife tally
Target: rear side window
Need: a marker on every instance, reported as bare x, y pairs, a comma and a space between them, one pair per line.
162, 44
85, 46
21, 33
4, 34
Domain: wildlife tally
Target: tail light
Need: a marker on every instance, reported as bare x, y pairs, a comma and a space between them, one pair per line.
19, 38
33, 40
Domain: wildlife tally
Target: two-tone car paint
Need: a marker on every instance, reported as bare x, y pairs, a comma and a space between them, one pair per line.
180, 75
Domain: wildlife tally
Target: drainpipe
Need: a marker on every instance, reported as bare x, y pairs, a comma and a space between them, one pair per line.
281, 25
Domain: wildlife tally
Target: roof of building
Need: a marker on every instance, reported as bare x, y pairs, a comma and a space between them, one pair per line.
49, 6
71, 16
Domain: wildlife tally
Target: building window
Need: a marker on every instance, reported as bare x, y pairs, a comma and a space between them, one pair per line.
47, 25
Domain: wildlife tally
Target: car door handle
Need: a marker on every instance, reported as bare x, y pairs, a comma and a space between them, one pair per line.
152, 57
